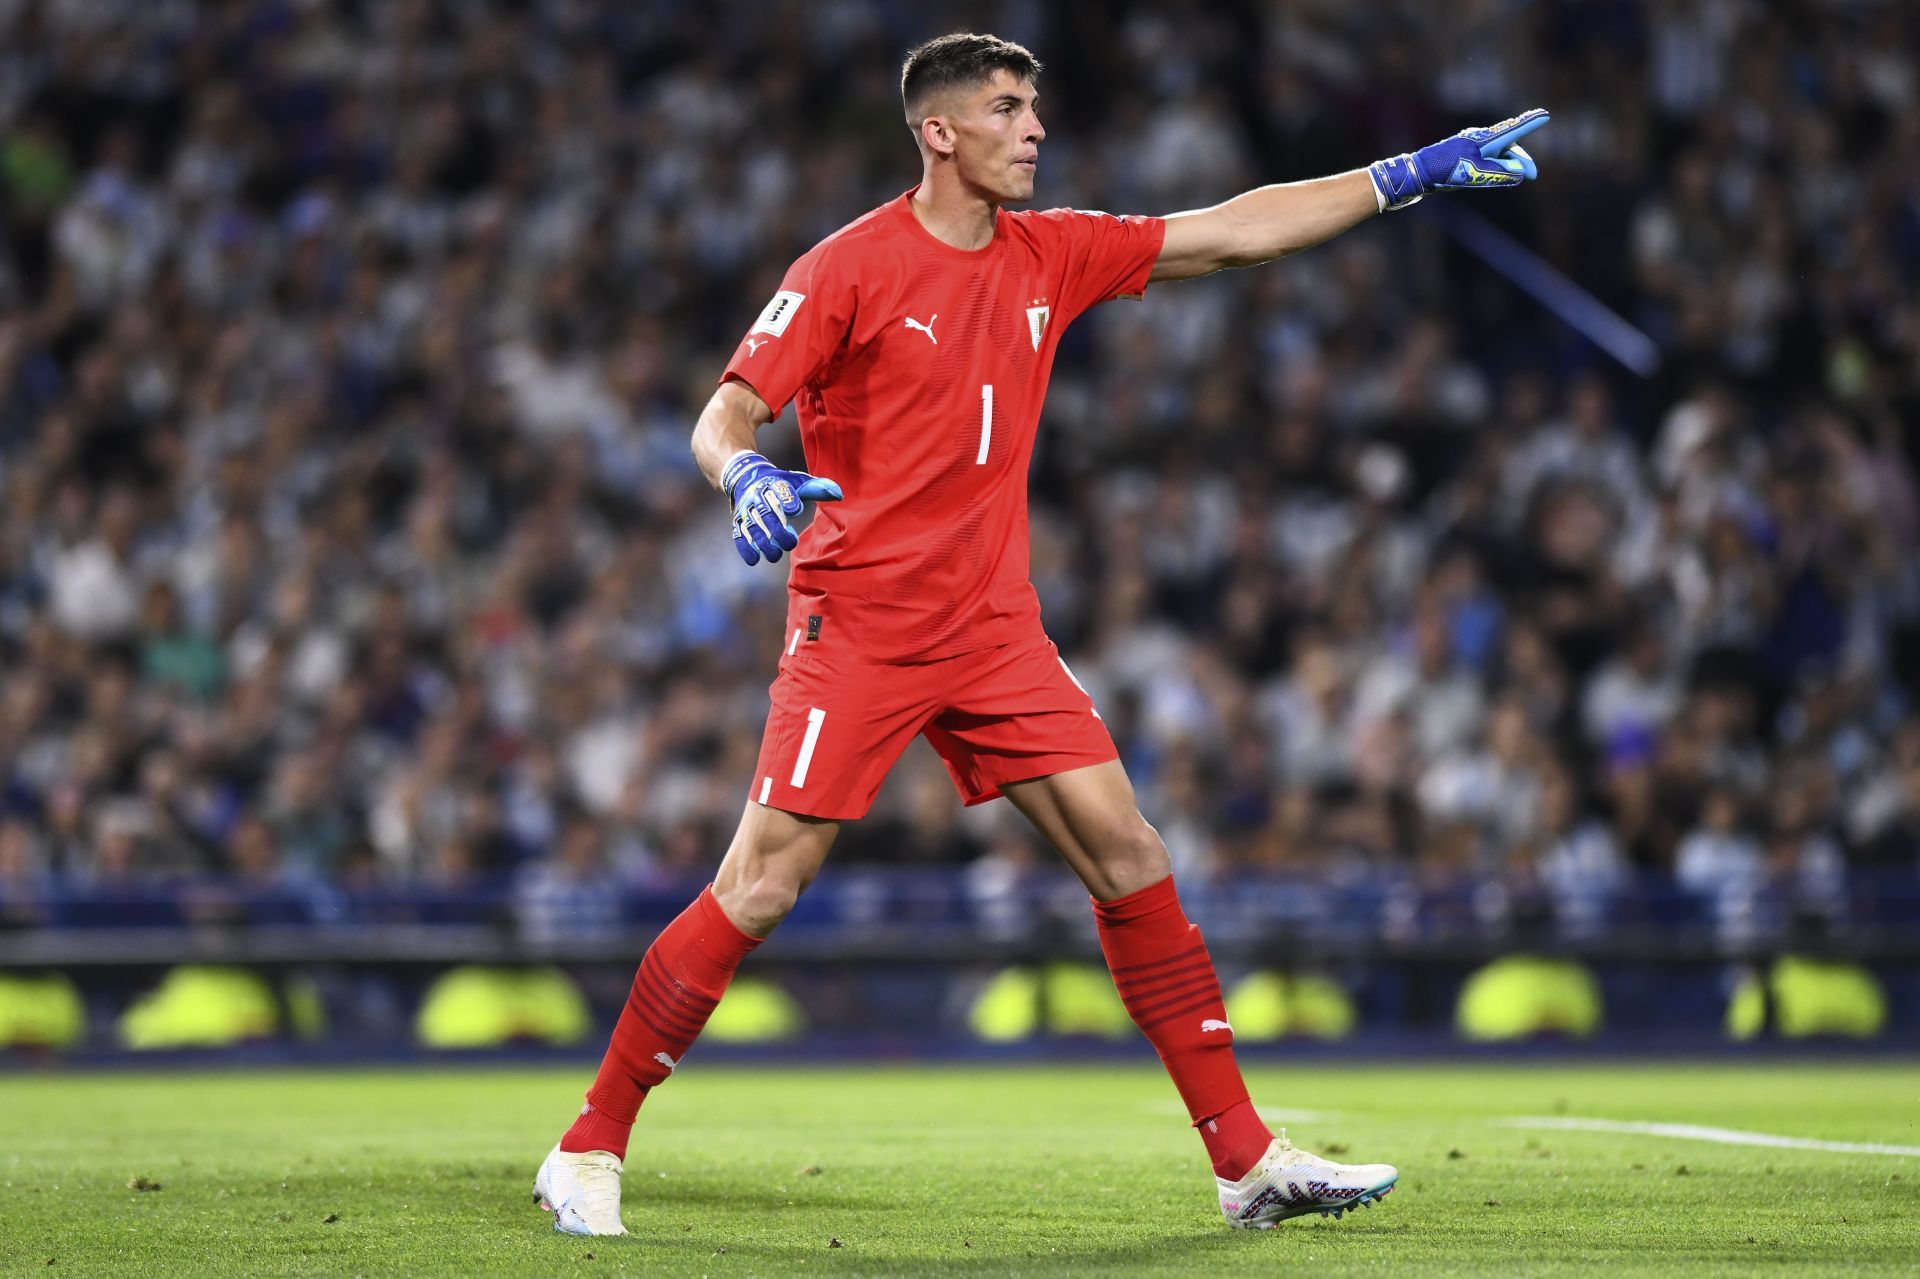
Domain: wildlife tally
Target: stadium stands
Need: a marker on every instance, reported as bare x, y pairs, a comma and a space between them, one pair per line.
336, 619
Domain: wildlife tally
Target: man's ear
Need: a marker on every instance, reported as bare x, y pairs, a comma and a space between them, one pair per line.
936, 135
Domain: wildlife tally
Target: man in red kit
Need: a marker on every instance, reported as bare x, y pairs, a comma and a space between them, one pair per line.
917, 342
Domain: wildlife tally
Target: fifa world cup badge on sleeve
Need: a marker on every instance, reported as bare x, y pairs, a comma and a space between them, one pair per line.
779, 313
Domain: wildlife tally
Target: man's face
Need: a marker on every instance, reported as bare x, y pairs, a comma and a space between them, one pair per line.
996, 136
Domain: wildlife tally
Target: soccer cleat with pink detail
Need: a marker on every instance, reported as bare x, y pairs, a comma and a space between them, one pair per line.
581, 1191
1291, 1183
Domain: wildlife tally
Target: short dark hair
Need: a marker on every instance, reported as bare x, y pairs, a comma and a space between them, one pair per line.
960, 59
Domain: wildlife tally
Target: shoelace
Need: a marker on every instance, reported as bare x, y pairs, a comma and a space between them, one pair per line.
596, 1195
1264, 1168
1295, 1155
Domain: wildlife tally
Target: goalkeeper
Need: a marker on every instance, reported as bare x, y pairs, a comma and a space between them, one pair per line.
916, 342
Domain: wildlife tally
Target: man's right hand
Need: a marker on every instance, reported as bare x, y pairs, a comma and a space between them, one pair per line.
763, 496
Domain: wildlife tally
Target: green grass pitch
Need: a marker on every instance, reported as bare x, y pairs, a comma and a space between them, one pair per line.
922, 1171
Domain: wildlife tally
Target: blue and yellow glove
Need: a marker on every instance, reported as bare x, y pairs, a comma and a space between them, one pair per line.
1489, 157
763, 496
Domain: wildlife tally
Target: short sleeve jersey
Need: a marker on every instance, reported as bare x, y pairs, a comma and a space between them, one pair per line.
918, 370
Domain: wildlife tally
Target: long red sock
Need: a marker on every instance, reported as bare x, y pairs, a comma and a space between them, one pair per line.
1165, 977
680, 979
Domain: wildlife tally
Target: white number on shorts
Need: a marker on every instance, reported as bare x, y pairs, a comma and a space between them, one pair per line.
815, 718
986, 421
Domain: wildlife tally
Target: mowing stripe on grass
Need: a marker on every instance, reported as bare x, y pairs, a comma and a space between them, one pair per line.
1272, 1114
1699, 1132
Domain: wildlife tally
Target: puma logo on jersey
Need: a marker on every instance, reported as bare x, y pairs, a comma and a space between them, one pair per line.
926, 328
754, 345
1211, 1024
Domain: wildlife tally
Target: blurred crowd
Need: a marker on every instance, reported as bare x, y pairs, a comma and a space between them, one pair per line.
349, 353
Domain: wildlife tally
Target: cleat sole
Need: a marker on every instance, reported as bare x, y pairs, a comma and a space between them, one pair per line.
1364, 1199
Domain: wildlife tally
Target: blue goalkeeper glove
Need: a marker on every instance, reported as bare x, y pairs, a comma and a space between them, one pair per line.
1487, 157
763, 496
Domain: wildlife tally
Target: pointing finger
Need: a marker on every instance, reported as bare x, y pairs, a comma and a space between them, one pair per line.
1510, 132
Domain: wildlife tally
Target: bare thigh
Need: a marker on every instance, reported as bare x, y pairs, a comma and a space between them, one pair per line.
1091, 818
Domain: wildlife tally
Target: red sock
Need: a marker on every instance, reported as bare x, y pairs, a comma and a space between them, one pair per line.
1165, 977
681, 978
1236, 1138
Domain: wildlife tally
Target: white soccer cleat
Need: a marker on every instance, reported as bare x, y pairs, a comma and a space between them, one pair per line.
1291, 1183
581, 1191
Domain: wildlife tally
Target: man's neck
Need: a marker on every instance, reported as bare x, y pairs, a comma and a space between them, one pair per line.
951, 213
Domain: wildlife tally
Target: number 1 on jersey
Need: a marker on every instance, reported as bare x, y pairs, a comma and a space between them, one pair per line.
986, 421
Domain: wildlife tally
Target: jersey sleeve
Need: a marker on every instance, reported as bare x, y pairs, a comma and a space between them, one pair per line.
798, 333
1104, 255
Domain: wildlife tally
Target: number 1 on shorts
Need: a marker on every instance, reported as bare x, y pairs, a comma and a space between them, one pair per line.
815, 717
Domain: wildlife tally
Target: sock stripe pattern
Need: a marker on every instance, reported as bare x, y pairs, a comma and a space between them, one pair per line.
1166, 979
1160, 991
1201, 998
674, 1003
651, 1006
1163, 979
1129, 970
675, 989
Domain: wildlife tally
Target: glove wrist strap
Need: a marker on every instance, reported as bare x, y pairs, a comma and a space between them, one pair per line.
737, 466
1396, 182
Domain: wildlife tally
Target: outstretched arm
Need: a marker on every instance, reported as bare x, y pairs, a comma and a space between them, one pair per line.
1263, 224
1271, 222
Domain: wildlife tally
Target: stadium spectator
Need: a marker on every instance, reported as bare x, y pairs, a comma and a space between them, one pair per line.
349, 530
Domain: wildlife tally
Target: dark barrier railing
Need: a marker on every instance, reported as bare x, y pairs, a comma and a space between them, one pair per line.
878, 915
930, 962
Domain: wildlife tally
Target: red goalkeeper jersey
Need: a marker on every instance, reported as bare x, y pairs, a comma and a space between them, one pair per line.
919, 370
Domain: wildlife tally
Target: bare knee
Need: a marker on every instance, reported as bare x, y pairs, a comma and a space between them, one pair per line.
757, 904
762, 877
1133, 858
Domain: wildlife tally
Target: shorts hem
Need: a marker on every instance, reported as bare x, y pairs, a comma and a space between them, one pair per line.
796, 810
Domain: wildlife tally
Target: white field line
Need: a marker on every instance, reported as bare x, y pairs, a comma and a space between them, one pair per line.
1698, 1132
1684, 1132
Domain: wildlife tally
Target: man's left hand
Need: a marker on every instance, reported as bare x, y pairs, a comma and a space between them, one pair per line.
1471, 158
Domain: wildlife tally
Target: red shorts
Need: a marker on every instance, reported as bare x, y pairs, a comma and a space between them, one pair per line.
997, 715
